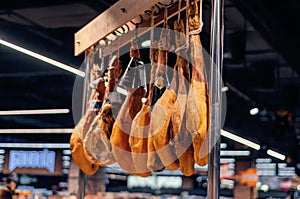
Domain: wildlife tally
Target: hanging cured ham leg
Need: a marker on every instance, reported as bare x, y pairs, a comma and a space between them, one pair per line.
107, 117
97, 140
182, 140
138, 139
198, 101
132, 105
162, 111
84, 160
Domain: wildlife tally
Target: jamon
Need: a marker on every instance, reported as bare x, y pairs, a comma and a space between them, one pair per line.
84, 160
198, 104
138, 139
132, 105
97, 140
182, 140
162, 111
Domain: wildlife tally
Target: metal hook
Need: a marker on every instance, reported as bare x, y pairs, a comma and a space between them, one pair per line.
127, 28
166, 5
118, 33
155, 14
139, 23
102, 43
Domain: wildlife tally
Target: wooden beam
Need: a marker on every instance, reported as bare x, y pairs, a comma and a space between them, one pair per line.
143, 28
113, 18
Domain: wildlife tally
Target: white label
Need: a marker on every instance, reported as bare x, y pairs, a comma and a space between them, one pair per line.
32, 159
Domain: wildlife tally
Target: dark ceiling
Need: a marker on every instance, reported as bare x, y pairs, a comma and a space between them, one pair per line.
261, 65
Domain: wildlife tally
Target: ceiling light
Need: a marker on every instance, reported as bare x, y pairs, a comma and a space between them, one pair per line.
234, 153
240, 139
275, 154
34, 145
36, 130
43, 58
254, 111
33, 112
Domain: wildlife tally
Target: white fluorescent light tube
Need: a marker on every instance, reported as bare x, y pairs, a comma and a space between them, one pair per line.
34, 145
43, 58
275, 154
234, 153
34, 112
240, 139
36, 131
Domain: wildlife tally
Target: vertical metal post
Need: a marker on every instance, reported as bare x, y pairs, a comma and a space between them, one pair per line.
215, 97
81, 175
81, 184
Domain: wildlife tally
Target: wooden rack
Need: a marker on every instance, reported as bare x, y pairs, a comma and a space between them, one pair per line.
103, 25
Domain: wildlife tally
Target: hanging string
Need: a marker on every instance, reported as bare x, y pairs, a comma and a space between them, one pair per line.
151, 33
197, 31
165, 16
163, 40
179, 10
118, 51
186, 45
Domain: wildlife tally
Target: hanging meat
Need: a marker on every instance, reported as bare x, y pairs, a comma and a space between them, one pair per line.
84, 160
181, 139
198, 100
138, 139
112, 99
133, 81
162, 111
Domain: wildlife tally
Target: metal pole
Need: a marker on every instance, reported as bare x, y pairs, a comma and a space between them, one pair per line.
215, 97
81, 175
81, 184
